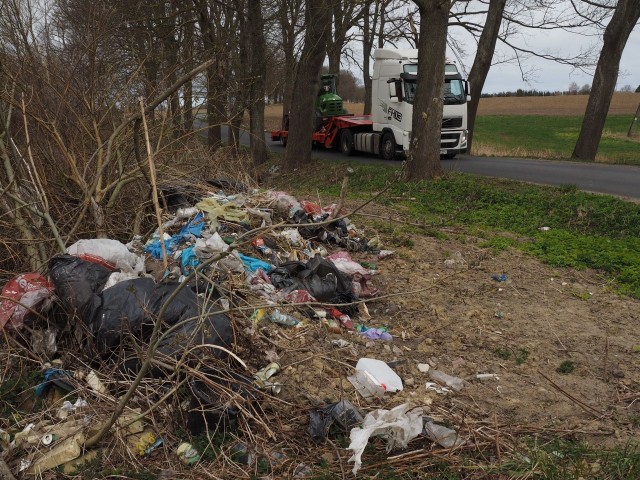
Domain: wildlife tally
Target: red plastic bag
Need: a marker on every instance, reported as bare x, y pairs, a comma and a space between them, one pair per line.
20, 294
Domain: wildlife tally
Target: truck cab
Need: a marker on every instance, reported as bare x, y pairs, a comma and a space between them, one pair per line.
394, 86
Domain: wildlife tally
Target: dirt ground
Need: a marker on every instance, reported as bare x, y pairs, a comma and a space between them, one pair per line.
443, 308
439, 301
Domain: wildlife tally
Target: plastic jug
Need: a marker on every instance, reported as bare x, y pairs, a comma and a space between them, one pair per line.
379, 375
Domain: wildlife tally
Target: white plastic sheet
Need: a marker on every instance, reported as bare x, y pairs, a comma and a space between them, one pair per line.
110, 250
400, 425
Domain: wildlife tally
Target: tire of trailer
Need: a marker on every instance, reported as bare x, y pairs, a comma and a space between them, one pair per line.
346, 142
283, 140
388, 146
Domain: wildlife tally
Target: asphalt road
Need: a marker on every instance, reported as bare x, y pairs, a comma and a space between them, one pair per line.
618, 180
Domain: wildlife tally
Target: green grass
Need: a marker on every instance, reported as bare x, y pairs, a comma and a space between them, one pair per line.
566, 367
585, 230
555, 135
535, 459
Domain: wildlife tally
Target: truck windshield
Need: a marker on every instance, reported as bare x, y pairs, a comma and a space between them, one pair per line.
453, 92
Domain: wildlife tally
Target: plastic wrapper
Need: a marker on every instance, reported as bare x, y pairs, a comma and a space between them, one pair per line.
343, 262
109, 253
342, 413
399, 426
29, 290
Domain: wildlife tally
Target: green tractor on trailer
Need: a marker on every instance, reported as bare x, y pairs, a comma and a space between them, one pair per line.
328, 104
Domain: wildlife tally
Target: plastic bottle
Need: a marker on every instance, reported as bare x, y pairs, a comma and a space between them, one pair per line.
283, 319
440, 434
441, 377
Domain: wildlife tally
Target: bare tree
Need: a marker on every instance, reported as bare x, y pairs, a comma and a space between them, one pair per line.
306, 83
424, 154
622, 23
573, 88
290, 14
213, 35
345, 15
382, 22
482, 61
258, 68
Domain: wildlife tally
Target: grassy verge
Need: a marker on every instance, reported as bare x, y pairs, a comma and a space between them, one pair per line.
583, 230
552, 137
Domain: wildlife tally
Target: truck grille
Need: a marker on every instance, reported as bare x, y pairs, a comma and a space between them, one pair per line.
449, 140
451, 122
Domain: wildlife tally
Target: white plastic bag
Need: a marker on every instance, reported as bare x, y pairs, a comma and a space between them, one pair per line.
400, 425
110, 250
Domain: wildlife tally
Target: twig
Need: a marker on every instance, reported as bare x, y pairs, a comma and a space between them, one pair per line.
580, 403
606, 358
497, 440
154, 185
343, 193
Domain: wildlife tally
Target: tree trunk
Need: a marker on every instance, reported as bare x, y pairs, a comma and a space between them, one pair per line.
214, 101
306, 83
188, 49
616, 35
288, 18
424, 154
482, 62
258, 62
214, 131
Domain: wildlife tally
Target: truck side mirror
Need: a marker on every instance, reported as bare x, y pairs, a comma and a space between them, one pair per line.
466, 90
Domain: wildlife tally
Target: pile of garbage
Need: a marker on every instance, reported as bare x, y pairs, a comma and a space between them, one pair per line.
178, 307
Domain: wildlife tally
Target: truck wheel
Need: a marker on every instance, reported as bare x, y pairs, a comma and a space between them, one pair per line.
346, 142
283, 140
449, 156
388, 146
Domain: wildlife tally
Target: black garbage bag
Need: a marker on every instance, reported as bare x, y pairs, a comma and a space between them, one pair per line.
131, 306
77, 281
343, 413
320, 278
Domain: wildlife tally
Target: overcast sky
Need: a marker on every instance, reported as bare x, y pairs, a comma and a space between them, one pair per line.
543, 74
548, 75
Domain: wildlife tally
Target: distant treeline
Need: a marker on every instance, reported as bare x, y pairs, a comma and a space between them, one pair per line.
573, 90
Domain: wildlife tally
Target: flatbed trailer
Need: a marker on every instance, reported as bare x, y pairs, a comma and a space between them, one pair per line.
349, 133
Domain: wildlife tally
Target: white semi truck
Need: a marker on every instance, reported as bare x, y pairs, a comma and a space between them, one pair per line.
387, 131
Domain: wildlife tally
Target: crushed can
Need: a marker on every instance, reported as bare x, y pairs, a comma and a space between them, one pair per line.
49, 438
187, 454
262, 377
